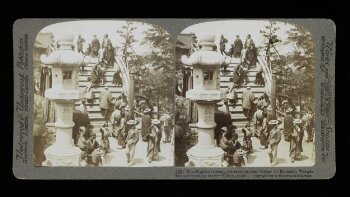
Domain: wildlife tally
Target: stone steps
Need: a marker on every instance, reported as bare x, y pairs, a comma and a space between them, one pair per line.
95, 116
237, 116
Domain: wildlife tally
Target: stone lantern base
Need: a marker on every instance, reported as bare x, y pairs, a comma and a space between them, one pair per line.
58, 156
205, 157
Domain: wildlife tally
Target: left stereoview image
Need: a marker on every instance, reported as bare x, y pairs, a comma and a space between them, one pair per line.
103, 95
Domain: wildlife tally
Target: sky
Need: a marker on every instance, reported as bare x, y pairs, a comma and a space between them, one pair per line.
99, 27
231, 28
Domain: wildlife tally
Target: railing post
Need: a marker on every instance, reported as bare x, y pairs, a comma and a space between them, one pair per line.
273, 95
131, 94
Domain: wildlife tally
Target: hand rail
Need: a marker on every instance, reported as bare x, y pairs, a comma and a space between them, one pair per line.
125, 74
267, 75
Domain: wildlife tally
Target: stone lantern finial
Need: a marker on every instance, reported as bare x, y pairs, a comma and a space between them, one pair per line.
66, 41
207, 42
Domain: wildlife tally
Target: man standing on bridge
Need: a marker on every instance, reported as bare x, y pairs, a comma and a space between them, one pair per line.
247, 100
95, 46
80, 42
237, 47
105, 102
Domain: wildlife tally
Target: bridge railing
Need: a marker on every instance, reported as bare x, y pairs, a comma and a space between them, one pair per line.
125, 74
267, 74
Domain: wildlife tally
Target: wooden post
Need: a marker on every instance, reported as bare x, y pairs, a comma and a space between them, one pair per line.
131, 94
273, 96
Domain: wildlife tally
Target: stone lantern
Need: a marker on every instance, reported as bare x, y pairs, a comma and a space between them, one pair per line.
205, 93
64, 93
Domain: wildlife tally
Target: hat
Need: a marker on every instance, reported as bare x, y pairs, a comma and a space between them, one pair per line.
248, 87
132, 122
146, 110
289, 110
273, 122
155, 121
224, 129
82, 129
297, 121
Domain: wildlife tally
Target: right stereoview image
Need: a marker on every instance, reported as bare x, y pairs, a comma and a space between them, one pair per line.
245, 95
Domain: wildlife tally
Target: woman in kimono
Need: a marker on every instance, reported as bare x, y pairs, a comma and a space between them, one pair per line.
131, 139
121, 132
264, 134
247, 141
231, 92
152, 147
97, 74
274, 140
234, 152
296, 141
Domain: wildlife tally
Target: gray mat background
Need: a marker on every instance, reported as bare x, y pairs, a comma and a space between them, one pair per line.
23, 168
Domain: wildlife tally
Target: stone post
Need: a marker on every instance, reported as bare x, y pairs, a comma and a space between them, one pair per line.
205, 93
64, 93
131, 93
273, 96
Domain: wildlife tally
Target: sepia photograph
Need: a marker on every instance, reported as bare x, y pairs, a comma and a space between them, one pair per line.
104, 95
245, 95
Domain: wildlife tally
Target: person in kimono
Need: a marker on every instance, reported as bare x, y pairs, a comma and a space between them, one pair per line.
296, 139
237, 47
95, 46
165, 122
307, 122
264, 134
105, 131
224, 107
121, 132
247, 138
153, 135
89, 92
231, 92
131, 140
82, 138
223, 42
288, 125
80, 42
145, 124
274, 140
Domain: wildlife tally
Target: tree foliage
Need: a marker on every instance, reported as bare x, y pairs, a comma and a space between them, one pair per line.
127, 33
295, 69
157, 74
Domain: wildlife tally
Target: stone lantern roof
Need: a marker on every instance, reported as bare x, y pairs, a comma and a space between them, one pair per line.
205, 57
64, 56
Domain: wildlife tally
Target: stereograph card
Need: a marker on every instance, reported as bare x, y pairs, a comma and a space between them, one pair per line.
174, 99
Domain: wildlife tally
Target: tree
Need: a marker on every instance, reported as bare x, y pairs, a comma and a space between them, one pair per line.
127, 33
270, 38
157, 73
295, 69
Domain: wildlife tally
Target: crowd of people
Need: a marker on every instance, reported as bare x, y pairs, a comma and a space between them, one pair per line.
120, 122
121, 125
104, 50
266, 129
248, 52
261, 123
